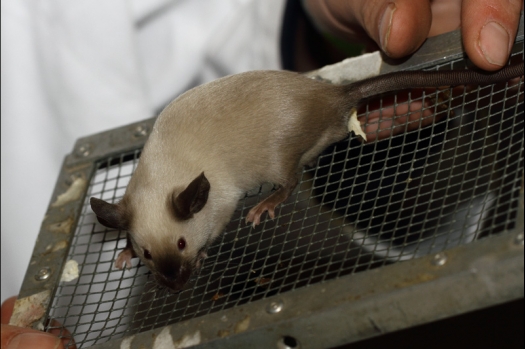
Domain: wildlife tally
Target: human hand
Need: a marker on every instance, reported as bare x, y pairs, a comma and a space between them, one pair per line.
14, 337
399, 27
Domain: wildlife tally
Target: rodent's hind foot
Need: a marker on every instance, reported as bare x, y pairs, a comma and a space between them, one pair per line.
254, 216
269, 204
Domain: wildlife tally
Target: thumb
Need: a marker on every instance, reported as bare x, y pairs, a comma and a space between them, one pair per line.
489, 36
398, 27
13, 337
7, 309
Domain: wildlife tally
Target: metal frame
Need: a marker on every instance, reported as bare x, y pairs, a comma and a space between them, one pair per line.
349, 309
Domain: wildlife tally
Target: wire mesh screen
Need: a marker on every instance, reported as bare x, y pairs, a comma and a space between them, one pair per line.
453, 178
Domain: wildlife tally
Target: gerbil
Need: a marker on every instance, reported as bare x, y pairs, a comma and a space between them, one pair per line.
217, 141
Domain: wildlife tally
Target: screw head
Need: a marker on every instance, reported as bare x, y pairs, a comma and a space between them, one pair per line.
288, 342
439, 259
141, 131
275, 307
84, 150
43, 274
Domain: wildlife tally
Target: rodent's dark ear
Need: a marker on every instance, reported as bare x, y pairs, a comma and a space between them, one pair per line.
109, 215
192, 199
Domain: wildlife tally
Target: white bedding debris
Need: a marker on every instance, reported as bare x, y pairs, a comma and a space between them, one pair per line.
70, 272
355, 125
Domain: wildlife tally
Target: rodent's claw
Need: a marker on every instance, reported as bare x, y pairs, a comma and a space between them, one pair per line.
253, 218
255, 213
271, 202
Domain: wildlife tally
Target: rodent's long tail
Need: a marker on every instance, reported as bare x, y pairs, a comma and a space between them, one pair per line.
418, 79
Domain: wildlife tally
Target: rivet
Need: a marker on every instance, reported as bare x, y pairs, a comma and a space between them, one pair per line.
141, 131
275, 307
519, 239
288, 342
84, 150
439, 259
43, 274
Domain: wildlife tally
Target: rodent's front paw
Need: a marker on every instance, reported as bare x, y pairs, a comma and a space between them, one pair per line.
124, 258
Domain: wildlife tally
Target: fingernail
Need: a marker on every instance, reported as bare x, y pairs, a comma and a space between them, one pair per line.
494, 43
33, 340
385, 26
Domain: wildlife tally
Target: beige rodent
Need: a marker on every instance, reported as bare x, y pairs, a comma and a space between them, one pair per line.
217, 141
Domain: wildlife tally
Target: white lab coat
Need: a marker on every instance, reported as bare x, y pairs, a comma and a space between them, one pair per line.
74, 68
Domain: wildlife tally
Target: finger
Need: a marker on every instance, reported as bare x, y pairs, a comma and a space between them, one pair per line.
402, 26
399, 27
56, 329
7, 309
392, 120
392, 115
489, 28
18, 337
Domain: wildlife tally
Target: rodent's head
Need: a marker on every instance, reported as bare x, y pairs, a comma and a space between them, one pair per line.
168, 238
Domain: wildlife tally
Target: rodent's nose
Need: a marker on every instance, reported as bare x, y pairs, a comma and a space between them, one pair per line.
171, 275
174, 278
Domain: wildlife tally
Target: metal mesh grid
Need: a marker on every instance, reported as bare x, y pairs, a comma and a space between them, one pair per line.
360, 207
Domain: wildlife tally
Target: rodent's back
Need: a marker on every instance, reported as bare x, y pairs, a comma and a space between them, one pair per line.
252, 122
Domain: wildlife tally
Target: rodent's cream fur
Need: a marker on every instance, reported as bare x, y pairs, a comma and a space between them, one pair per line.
239, 131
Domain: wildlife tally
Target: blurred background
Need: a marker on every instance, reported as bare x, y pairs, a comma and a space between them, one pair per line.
74, 68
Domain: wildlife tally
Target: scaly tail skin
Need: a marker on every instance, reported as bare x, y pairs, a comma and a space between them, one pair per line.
419, 79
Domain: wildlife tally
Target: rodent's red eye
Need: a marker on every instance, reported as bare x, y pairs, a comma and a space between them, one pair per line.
147, 254
181, 244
